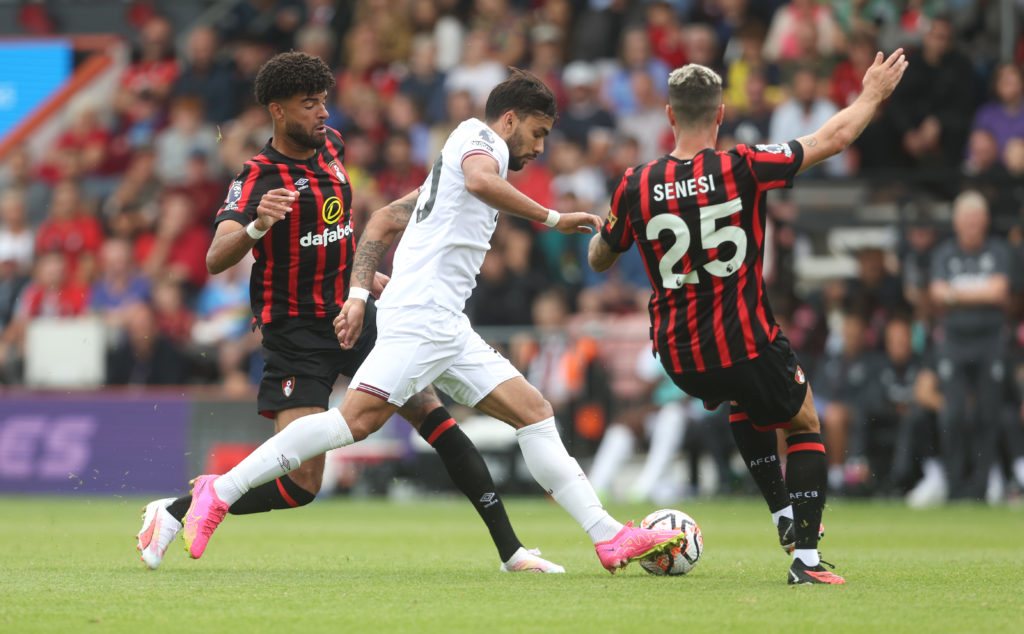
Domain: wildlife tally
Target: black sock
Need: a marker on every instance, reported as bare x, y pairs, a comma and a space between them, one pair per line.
806, 479
281, 493
760, 452
179, 507
468, 471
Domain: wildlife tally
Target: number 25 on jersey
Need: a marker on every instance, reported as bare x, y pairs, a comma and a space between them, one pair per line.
709, 238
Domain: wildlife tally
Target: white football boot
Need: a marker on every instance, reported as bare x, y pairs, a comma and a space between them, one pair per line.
159, 528
529, 561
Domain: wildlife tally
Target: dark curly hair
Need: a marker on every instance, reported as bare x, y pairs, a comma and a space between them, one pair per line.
522, 93
288, 74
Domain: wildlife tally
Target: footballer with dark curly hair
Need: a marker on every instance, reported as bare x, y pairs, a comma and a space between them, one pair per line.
291, 206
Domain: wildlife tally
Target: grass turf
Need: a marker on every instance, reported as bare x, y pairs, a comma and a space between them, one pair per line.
69, 565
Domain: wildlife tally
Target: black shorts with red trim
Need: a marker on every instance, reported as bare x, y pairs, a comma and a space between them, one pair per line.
768, 389
302, 360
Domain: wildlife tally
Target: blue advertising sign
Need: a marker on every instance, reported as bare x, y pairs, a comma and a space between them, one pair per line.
30, 71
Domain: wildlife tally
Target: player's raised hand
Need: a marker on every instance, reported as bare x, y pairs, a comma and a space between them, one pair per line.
578, 222
274, 206
349, 323
883, 75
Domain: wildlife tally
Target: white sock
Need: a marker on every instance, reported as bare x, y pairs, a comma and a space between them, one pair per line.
303, 439
807, 555
836, 476
1018, 471
669, 428
616, 447
932, 468
560, 475
786, 512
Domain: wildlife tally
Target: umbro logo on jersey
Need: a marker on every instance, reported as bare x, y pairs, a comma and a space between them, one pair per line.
301, 184
482, 145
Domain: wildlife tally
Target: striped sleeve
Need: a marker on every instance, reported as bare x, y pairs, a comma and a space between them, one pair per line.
484, 142
773, 165
243, 196
616, 230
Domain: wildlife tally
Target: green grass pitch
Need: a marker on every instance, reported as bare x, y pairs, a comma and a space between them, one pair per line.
69, 565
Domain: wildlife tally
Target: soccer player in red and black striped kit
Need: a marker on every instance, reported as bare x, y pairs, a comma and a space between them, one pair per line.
698, 218
291, 206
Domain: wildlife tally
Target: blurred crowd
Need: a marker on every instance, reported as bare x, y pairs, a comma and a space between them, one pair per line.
115, 218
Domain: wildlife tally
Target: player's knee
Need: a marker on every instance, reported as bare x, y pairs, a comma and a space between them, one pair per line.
416, 414
539, 409
805, 425
360, 429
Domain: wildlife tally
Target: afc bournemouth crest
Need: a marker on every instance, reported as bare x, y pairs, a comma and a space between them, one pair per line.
335, 169
288, 386
800, 378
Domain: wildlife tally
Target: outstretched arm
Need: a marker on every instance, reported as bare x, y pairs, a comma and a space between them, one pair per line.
485, 182
845, 126
380, 233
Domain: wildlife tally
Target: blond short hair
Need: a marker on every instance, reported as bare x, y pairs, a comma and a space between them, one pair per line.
694, 92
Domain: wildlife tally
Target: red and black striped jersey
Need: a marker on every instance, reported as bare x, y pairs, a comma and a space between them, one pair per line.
303, 263
699, 225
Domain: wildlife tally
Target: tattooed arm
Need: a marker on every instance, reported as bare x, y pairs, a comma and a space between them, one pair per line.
378, 236
845, 126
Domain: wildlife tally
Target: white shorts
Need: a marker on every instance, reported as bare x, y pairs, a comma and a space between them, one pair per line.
419, 346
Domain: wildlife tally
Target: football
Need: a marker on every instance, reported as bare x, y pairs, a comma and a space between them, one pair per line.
682, 558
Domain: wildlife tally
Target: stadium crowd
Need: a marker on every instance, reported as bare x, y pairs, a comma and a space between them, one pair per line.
115, 219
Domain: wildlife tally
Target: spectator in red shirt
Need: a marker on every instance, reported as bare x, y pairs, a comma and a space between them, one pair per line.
665, 33
85, 136
845, 83
173, 318
154, 68
51, 293
206, 193
71, 231
399, 175
178, 249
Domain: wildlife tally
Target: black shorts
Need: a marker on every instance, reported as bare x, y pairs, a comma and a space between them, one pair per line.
302, 360
769, 389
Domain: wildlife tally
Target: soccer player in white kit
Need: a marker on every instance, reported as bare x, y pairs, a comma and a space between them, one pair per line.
424, 337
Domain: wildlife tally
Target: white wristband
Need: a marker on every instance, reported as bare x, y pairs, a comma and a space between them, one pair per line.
253, 232
552, 218
358, 293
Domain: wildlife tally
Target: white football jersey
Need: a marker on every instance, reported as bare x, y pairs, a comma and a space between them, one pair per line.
442, 249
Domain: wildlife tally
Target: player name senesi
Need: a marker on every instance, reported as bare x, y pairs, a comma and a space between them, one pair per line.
681, 189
